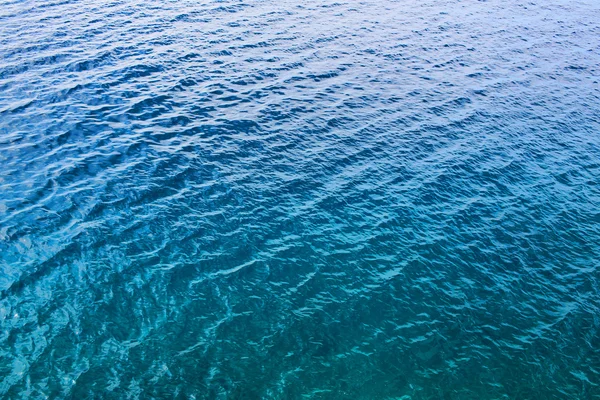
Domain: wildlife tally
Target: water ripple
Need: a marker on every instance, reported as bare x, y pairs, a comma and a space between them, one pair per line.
361, 200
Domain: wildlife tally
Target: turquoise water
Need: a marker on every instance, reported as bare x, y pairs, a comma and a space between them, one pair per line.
300, 200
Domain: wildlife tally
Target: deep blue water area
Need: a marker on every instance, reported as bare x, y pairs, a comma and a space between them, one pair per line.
280, 199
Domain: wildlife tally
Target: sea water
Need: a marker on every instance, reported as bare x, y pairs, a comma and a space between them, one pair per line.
315, 199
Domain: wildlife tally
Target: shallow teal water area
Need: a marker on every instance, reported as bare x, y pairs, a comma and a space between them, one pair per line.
300, 199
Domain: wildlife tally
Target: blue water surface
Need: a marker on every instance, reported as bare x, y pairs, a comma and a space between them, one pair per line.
280, 199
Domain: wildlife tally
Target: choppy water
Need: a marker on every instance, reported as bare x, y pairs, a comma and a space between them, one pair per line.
316, 199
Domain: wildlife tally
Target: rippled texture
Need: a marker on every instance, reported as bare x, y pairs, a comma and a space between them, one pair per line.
276, 199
